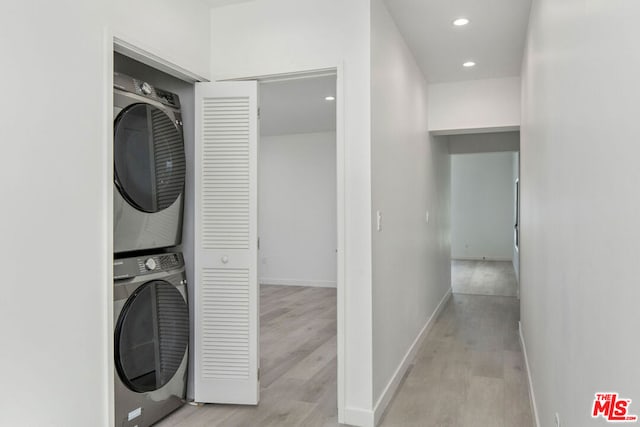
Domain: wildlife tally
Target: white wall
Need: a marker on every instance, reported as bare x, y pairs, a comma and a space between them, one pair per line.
410, 176
484, 142
178, 32
474, 106
54, 309
278, 36
482, 202
297, 205
580, 206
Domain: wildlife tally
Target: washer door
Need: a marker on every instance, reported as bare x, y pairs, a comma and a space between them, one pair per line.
149, 157
151, 336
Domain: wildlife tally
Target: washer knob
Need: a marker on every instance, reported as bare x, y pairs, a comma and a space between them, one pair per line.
145, 88
150, 264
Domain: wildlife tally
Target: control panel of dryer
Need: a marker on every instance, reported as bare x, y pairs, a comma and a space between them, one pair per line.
142, 88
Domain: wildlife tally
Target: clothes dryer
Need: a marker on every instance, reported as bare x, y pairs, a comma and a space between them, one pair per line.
151, 338
149, 166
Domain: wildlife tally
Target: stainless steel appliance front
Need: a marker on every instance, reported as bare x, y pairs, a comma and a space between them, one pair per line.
151, 338
149, 166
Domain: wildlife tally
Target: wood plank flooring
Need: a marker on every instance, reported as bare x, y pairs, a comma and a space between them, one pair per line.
469, 371
496, 278
298, 364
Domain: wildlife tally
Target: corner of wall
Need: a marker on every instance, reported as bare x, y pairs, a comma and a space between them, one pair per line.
396, 380
532, 397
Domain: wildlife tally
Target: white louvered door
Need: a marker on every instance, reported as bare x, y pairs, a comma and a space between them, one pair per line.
226, 321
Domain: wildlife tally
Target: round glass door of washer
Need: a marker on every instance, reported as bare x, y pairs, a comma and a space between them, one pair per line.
151, 336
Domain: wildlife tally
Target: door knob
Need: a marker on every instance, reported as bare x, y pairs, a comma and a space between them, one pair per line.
224, 259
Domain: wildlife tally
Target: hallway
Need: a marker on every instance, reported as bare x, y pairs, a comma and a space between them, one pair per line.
469, 371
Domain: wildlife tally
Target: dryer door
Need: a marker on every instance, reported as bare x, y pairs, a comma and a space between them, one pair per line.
149, 157
151, 336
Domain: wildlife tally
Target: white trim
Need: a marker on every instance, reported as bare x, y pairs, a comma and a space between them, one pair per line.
151, 59
532, 396
277, 78
358, 417
318, 70
297, 282
487, 258
107, 225
396, 379
341, 221
489, 129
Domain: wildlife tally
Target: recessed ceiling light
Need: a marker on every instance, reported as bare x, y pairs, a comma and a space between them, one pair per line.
330, 98
469, 64
460, 22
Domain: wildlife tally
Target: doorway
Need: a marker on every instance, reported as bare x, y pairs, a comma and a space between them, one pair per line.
484, 252
297, 254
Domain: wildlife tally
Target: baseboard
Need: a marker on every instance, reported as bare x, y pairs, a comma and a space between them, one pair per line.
358, 417
476, 258
295, 282
396, 379
532, 396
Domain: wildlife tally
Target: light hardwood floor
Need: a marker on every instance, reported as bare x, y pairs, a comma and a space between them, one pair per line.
496, 278
469, 372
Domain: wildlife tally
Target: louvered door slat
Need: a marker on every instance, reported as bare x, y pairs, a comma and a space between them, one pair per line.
226, 313
235, 204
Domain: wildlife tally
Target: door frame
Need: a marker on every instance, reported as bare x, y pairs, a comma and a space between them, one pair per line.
319, 71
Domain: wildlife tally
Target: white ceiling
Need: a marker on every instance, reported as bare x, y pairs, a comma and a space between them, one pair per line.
216, 3
494, 39
297, 106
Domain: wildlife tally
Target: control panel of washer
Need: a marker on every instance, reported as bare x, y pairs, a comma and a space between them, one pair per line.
139, 266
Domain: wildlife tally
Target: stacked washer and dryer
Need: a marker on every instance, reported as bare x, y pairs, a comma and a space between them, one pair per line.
151, 313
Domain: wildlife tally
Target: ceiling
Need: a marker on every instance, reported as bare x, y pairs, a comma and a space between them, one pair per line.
494, 38
216, 3
297, 106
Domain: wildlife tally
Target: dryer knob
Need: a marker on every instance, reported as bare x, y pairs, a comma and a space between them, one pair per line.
150, 264
145, 88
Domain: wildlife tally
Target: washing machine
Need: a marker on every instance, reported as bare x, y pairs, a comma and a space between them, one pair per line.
151, 337
149, 166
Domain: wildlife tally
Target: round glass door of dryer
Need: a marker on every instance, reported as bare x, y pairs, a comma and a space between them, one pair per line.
149, 157
151, 336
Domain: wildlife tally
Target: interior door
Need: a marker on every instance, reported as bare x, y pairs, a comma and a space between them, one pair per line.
226, 321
